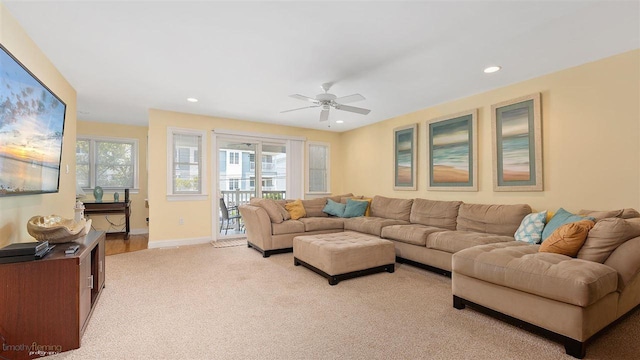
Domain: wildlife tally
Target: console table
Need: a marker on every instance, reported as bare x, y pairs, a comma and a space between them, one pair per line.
120, 207
46, 304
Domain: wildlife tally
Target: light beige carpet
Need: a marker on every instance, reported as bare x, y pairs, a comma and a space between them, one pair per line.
201, 302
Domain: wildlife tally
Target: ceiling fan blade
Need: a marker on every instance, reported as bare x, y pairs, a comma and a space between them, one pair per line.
349, 99
303, 98
353, 109
324, 115
305, 107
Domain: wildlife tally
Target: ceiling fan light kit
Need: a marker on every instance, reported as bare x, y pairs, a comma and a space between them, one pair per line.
327, 101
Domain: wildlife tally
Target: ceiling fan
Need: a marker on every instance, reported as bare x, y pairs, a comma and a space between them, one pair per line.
327, 101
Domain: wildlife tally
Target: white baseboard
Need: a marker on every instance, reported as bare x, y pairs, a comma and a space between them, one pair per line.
140, 231
178, 242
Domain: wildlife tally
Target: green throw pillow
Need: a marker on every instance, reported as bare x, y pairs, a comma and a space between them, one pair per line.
560, 218
334, 208
355, 208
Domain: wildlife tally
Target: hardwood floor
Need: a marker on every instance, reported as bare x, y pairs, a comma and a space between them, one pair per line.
116, 244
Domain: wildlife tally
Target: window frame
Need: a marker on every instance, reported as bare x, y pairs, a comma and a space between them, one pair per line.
92, 139
183, 196
308, 168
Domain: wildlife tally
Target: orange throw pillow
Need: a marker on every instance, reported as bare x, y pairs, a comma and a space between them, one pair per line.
568, 238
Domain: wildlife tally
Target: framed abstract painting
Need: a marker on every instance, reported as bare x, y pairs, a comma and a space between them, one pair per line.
405, 141
452, 152
517, 144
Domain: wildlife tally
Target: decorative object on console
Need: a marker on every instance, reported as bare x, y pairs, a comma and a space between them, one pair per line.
516, 131
56, 229
79, 211
405, 145
32, 131
116, 197
97, 193
452, 152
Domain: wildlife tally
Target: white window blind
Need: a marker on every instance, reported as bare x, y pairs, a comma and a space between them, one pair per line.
187, 163
317, 167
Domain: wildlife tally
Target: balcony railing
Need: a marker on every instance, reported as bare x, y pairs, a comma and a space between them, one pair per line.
241, 197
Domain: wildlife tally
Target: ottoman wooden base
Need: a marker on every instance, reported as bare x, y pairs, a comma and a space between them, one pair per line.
345, 255
335, 279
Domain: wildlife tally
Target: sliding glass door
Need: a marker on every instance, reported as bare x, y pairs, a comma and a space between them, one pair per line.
246, 169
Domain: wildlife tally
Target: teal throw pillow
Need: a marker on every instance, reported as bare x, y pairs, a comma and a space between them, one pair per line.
355, 208
560, 218
531, 227
334, 208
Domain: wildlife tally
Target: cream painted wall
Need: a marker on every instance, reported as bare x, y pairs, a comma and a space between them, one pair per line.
591, 137
15, 211
164, 215
139, 211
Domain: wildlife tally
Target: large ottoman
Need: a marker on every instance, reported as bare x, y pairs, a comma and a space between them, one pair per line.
344, 255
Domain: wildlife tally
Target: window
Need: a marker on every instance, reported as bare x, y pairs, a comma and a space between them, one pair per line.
317, 167
234, 158
111, 163
186, 163
234, 184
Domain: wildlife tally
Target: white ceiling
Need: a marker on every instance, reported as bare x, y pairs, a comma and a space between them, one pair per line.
242, 59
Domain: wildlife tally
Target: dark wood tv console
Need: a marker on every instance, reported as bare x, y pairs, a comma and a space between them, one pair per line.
45, 305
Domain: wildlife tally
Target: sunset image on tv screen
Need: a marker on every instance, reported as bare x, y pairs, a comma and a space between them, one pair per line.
31, 127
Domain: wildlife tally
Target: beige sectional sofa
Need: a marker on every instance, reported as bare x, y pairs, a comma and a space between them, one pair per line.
568, 299
571, 299
425, 232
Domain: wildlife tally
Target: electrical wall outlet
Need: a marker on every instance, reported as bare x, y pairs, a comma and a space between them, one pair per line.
180, 221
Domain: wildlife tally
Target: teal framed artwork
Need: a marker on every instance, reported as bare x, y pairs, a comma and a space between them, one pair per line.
517, 144
452, 152
405, 141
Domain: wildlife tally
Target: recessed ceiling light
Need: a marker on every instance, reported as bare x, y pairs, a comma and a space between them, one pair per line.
492, 69
193, 100
339, 121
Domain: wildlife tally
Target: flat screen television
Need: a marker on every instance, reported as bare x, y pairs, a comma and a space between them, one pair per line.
31, 129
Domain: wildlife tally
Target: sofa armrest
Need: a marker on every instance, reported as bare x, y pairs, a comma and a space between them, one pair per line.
258, 226
626, 261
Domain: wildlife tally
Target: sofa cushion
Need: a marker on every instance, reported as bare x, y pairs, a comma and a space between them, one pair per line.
270, 206
568, 238
370, 225
339, 198
391, 208
314, 207
606, 236
287, 227
334, 208
283, 209
492, 219
454, 241
295, 209
520, 266
530, 229
322, 223
560, 218
414, 234
355, 208
599, 215
629, 213
441, 214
